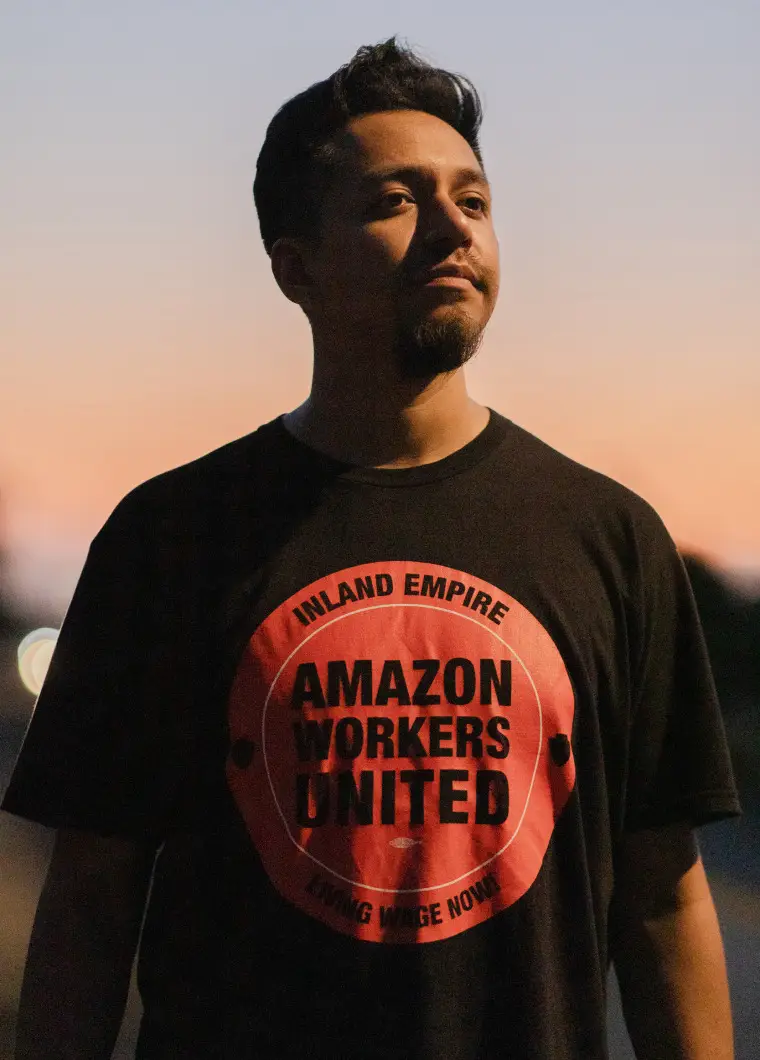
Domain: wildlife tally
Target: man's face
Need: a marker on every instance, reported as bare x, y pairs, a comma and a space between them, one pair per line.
407, 251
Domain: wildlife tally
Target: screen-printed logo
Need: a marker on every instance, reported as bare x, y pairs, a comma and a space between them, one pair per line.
400, 749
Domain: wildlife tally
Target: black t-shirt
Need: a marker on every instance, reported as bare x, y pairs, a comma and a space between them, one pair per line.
386, 729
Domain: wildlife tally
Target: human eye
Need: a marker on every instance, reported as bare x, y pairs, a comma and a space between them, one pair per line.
393, 200
472, 203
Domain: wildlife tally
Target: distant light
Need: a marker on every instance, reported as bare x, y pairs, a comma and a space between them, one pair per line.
34, 654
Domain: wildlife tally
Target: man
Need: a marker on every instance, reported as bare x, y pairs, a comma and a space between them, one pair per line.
415, 710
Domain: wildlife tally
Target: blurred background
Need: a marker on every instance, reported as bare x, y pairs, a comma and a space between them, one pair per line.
140, 326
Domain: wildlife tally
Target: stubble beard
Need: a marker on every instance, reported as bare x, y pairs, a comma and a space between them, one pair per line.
433, 347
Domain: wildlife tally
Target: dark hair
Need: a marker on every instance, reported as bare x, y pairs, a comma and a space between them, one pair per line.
299, 157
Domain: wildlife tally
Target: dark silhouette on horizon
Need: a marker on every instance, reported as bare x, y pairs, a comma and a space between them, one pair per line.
731, 622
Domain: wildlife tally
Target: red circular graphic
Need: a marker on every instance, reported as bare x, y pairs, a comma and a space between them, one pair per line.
403, 787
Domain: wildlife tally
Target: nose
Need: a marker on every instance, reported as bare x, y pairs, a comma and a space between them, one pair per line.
444, 224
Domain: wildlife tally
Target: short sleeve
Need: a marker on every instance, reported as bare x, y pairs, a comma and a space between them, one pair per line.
679, 766
96, 752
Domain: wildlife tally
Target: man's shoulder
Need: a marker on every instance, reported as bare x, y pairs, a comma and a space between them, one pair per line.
207, 483
568, 484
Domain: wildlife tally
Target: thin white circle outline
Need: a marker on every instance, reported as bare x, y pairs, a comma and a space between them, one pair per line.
327, 868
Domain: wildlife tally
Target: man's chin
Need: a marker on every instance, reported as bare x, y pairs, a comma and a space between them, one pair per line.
435, 346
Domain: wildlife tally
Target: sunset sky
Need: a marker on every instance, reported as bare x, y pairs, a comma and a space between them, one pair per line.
139, 323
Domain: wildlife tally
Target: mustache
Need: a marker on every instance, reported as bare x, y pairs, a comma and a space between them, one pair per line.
420, 271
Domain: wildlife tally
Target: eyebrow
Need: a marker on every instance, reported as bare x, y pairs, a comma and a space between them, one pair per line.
409, 174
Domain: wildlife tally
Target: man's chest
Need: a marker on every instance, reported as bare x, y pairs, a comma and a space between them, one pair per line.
400, 728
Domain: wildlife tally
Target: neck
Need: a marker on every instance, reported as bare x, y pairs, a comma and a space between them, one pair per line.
379, 421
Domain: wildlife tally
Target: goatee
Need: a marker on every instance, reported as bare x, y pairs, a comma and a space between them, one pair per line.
434, 347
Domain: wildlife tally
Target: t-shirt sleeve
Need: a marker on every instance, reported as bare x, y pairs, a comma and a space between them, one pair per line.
679, 766
96, 754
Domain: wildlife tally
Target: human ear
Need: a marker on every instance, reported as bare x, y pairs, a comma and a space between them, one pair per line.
290, 270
